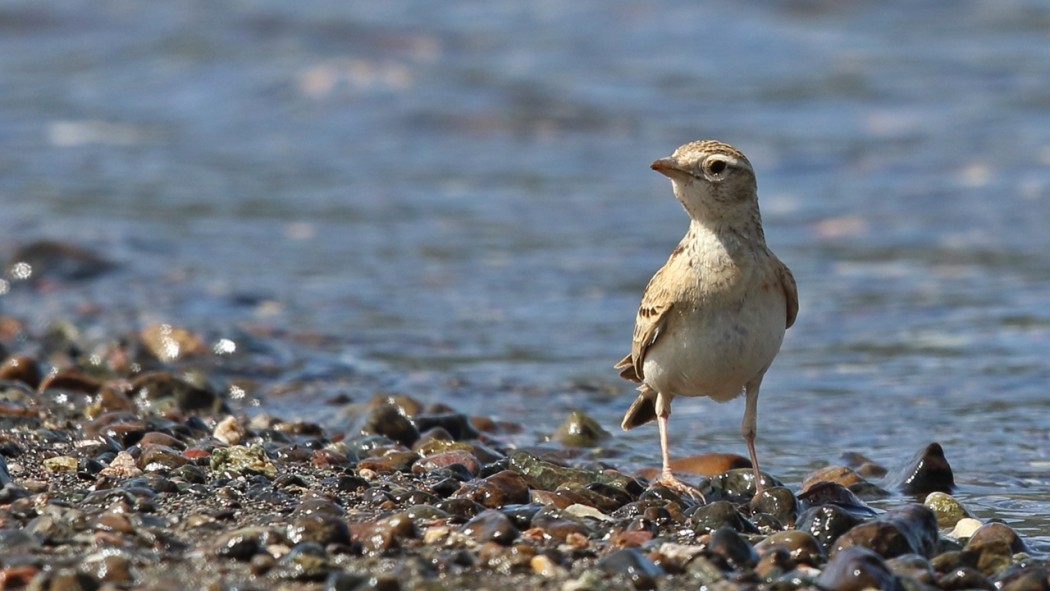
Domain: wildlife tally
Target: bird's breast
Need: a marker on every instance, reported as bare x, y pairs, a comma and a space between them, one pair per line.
718, 344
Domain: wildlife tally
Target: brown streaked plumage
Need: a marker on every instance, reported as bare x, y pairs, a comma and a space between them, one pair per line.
712, 318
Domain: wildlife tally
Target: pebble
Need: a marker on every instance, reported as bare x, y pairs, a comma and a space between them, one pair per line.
242, 460
928, 472
948, 510
857, 568
908, 530
633, 566
21, 368
579, 430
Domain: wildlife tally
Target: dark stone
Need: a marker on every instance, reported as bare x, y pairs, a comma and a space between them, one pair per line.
457, 425
908, 530
1032, 578
855, 569
913, 566
386, 420
826, 523
991, 547
152, 389
801, 546
737, 486
491, 526
735, 550
307, 561
777, 501
50, 259
21, 368
718, 515
244, 543
831, 493
928, 472
502, 488
461, 509
323, 529
962, 578
544, 475
633, 566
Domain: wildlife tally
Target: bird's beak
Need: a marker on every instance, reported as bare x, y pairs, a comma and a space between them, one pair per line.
667, 167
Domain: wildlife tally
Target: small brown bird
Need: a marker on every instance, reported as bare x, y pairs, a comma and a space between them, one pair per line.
713, 317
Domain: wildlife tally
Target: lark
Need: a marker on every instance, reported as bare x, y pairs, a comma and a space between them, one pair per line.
713, 317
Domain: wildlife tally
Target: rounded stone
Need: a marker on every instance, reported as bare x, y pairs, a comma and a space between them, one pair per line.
718, 515
801, 546
855, 569
947, 509
777, 501
491, 526
735, 550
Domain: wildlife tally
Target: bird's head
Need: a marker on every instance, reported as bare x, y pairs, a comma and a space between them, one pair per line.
713, 180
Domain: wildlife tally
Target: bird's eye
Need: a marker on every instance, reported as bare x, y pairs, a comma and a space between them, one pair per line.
717, 167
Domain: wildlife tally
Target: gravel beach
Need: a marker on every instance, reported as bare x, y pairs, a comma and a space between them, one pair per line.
131, 468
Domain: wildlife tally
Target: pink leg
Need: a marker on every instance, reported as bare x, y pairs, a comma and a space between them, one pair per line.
666, 474
749, 428
667, 477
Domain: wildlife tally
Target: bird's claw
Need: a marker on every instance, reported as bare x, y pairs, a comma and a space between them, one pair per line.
670, 482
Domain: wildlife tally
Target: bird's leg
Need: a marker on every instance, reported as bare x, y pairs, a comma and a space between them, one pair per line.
749, 428
665, 474
667, 477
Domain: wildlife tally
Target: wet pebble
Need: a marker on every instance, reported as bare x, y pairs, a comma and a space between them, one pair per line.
502, 488
991, 548
306, 561
736, 485
21, 368
778, 502
157, 392
914, 567
962, 578
51, 259
825, 493
855, 569
242, 544
243, 460
390, 462
491, 526
447, 458
61, 464
322, 529
110, 567
456, 425
168, 343
579, 430
718, 515
801, 546
388, 533
947, 509
908, 530
387, 420
928, 472
735, 550
826, 523
633, 566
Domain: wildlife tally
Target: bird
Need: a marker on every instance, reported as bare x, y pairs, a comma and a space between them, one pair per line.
713, 318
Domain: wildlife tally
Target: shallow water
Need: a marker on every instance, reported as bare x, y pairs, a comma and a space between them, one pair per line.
455, 202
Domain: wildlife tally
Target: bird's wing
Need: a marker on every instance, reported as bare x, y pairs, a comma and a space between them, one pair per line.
787, 283
649, 324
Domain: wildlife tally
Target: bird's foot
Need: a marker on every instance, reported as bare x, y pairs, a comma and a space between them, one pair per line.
669, 481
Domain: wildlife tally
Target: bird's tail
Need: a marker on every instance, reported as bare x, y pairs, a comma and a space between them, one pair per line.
642, 410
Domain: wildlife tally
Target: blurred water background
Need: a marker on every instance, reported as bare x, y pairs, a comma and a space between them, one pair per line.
452, 200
